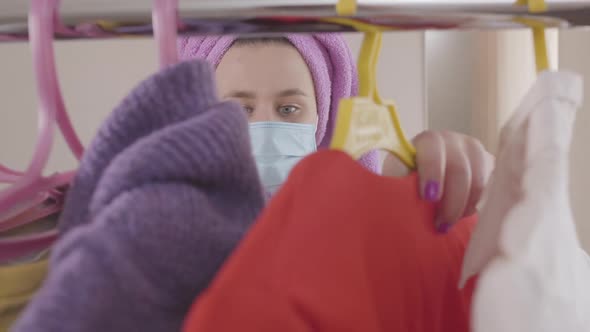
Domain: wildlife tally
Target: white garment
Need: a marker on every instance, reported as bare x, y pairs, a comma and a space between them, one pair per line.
534, 275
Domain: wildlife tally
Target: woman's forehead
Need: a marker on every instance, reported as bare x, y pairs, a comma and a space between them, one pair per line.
264, 68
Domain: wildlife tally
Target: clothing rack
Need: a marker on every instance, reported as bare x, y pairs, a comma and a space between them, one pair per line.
123, 19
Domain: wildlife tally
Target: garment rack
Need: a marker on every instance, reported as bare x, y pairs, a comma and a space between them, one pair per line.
84, 19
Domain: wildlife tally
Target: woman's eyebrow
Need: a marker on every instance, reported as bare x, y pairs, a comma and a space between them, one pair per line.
291, 92
241, 94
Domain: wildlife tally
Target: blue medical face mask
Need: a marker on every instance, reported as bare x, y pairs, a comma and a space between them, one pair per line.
277, 147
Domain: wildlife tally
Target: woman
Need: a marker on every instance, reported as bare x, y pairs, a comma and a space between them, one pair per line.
290, 87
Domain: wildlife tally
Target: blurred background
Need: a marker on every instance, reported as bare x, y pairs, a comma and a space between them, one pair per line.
463, 81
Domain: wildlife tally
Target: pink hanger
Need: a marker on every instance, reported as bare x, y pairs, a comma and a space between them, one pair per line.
8, 175
21, 246
164, 17
42, 205
4, 169
42, 18
27, 199
22, 206
29, 190
51, 204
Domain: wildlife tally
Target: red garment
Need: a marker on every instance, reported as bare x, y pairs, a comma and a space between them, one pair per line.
341, 249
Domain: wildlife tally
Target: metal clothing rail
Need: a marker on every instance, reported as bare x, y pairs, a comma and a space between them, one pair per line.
122, 19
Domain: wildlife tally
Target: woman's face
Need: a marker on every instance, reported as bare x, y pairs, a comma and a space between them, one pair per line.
271, 81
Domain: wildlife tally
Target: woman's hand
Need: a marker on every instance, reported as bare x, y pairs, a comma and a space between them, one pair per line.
453, 170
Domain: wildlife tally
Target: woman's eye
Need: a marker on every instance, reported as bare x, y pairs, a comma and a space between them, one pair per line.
288, 110
248, 109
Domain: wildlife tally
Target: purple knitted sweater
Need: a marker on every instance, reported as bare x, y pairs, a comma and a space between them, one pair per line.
164, 193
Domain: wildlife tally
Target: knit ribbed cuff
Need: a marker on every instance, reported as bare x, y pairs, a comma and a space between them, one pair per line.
169, 96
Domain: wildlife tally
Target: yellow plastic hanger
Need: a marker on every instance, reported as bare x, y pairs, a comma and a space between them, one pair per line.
535, 6
538, 27
346, 7
367, 122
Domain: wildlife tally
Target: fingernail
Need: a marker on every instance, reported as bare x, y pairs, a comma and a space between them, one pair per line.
431, 190
443, 228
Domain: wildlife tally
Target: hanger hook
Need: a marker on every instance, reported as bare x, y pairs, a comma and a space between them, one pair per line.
41, 29
41, 26
367, 64
164, 17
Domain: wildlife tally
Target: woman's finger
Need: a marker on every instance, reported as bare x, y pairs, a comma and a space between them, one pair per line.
481, 164
457, 186
431, 160
393, 166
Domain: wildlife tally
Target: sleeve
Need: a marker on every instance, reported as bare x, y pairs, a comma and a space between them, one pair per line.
112, 274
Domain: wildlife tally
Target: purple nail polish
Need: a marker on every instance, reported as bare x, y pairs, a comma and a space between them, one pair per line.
431, 191
443, 228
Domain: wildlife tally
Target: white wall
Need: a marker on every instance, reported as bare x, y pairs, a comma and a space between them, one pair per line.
94, 76
574, 48
401, 76
476, 79
449, 66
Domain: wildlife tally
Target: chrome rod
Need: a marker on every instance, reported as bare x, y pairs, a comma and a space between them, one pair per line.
123, 19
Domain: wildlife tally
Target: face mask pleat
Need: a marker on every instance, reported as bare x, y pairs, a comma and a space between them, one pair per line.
277, 147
